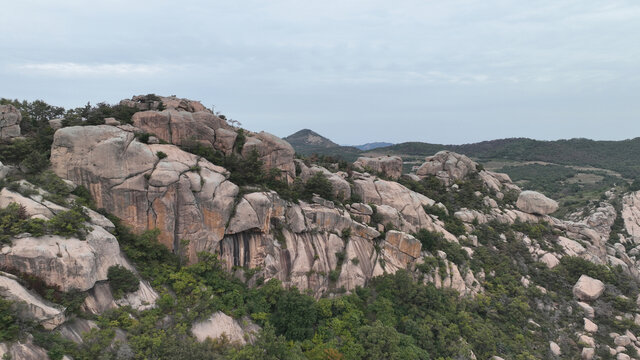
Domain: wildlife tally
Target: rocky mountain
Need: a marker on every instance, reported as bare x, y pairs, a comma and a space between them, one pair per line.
154, 229
373, 145
308, 142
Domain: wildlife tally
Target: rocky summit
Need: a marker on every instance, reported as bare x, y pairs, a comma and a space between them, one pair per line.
157, 229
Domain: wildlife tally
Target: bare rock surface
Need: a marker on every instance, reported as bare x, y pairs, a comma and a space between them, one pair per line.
533, 202
221, 324
390, 166
588, 288
10, 118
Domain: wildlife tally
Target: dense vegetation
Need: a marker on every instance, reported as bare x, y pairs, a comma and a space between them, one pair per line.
619, 156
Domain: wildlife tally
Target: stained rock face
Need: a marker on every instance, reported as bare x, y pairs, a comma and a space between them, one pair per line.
588, 289
533, 202
390, 166
184, 196
182, 127
10, 118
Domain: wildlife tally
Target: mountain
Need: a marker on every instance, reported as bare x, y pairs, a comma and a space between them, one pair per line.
306, 138
373, 145
308, 142
142, 229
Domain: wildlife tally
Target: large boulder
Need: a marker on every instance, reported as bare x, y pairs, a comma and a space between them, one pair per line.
390, 166
631, 214
185, 128
533, 202
66, 263
447, 166
274, 152
146, 102
10, 118
221, 325
588, 288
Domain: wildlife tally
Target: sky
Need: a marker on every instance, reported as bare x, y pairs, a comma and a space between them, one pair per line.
449, 72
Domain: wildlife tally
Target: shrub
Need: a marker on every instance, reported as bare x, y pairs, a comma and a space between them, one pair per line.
122, 280
318, 184
69, 223
161, 155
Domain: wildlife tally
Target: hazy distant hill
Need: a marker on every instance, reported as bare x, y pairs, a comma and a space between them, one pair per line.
621, 156
373, 145
309, 142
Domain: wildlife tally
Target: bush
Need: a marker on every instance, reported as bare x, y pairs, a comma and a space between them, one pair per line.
9, 328
122, 280
69, 223
161, 155
320, 185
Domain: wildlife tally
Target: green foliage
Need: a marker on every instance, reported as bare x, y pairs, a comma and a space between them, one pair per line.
318, 184
69, 223
433, 242
122, 280
161, 155
295, 316
13, 221
454, 200
9, 326
95, 115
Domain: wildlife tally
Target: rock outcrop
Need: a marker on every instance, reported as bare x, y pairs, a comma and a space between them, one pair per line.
221, 325
533, 202
390, 166
447, 166
30, 305
588, 288
10, 118
184, 196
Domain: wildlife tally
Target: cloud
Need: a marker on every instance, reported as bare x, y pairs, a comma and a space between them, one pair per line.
71, 69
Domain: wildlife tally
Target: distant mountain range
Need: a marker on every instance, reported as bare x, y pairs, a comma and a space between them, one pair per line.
373, 145
620, 156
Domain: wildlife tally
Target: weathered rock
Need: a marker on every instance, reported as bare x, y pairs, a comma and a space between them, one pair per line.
31, 306
555, 349
10, 118
588, 289
100, 298
221, 325
588, 353
447, 166
23, 350
274, 152
67, 263
182, 195
340, 186
145, 102
533, 202
631, 215
550, 260
390, 166
622, 340
75, 329
590, 326
588, 310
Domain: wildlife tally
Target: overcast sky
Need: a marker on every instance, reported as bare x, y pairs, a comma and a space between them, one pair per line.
448, 71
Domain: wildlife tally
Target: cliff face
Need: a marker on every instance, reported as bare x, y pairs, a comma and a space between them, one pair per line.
326, 247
